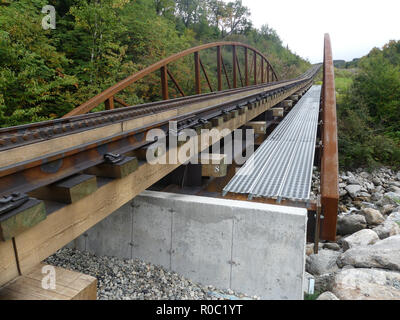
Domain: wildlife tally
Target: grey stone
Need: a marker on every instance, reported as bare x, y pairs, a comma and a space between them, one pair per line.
327, 296
388, 209
373, 217
384, 254
324, 282
361, 238
398, 176
377, 181
393, 197
388, 229
353, 190
395, 216
394, 189
323, 262
366, 284
331, 246
348, 224
376, 196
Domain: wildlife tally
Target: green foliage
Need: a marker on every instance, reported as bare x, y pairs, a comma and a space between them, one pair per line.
45, 74
369, 111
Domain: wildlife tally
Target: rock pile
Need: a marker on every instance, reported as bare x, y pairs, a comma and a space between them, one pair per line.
364, 263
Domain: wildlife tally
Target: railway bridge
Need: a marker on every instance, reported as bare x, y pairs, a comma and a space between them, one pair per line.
60, 178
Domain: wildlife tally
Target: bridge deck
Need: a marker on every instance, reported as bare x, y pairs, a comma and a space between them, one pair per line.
282, 166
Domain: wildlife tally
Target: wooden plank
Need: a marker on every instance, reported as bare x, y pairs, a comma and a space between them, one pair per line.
278, 112
69, 190
21, 219
213, 165
117, 171
8, 263
69, 222
287, 104
259, 127
69, 285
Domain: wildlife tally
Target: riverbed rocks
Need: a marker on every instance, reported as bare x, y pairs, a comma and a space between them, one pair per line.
349, 224
327, 296
323, 262
384, 254
368, 242
366, 284
361, 238
388, 229
372, 216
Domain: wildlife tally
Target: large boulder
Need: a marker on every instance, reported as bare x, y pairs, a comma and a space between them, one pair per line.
388, 229
384, 254
349, 224
373, 217
353, 190
327, 296
366, 284
361, 238
323, 262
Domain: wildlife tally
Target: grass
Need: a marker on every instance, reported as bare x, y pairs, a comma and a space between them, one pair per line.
312, 296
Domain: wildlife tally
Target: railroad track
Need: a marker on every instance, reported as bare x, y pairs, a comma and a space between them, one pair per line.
31, 174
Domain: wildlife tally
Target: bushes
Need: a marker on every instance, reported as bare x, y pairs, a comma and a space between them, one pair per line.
369, 113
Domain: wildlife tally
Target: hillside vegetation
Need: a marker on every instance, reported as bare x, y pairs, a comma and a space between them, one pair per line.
45, 74
369, 109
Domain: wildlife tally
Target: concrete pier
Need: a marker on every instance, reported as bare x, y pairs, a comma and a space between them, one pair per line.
253, 248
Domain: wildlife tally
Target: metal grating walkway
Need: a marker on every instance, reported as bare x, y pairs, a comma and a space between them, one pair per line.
282, 166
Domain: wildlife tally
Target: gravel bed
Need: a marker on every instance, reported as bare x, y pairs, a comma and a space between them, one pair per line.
123, 279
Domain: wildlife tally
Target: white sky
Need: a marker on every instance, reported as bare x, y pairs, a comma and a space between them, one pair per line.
355, 26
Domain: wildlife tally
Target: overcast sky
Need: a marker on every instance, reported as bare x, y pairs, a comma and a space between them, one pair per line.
355, 26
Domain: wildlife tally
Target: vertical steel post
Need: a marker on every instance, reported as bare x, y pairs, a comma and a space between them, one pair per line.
262, 70
219, 67
268, 69
255, 67
164, 82
234, 66
246, 66
109, 103
197, 72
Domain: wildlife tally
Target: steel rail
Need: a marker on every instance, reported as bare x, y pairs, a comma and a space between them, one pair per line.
30, 175
14, 137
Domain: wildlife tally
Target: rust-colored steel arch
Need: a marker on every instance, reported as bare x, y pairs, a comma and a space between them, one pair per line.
108, 96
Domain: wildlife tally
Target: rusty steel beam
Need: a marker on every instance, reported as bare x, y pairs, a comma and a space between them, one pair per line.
240, 71
219, 68
234, 66
112, 91
329, 161
178, 87
121, 102
255, 68
109, 104
262, 70
197, 72
206, 76
164, 82
226, 74
246, 66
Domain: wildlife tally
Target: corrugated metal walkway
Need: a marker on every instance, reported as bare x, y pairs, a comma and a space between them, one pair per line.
282, 166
